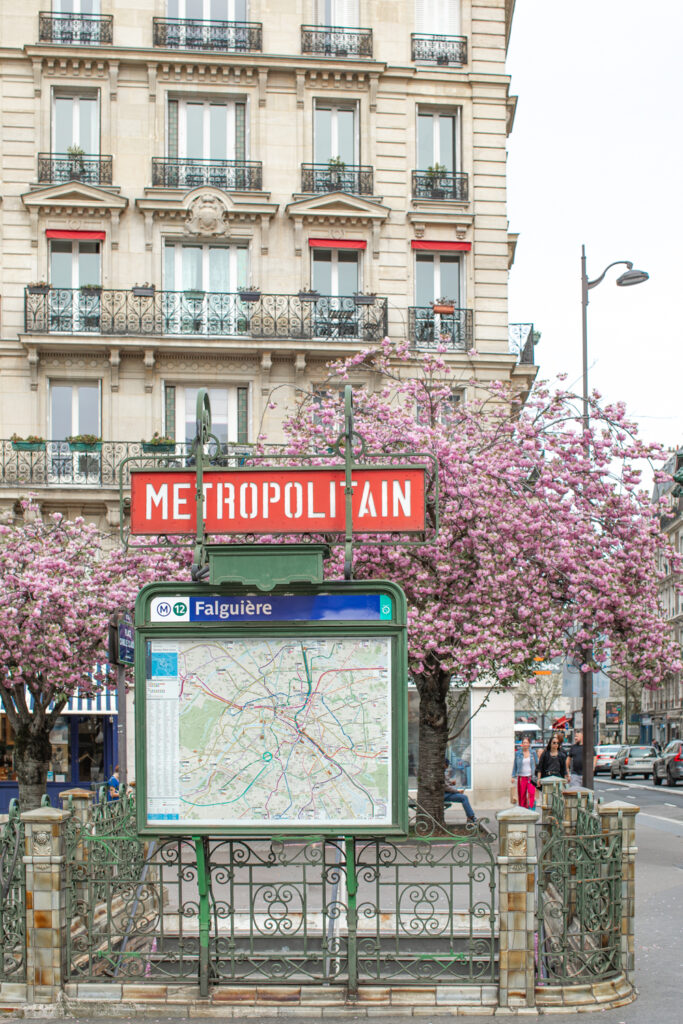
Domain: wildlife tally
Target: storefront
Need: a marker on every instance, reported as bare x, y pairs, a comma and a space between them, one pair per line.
84, 748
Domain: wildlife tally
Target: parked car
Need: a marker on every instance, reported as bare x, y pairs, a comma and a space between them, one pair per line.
669, 764
633, 761
604, 756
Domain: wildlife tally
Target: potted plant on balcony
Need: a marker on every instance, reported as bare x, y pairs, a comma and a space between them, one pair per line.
32, 443
84, 443
143, 290
434, 175
94, 289
336, 167
38, 288
76, 155
158, 444
444, 306
308, 295
194, 294
364, 298
250, 294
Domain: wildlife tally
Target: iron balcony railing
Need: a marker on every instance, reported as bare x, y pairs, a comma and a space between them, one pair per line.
447, 50
452, 331
229, 175
195, 34
353, 178
336, 41
521, 339
54, 168
57, 464
145, 311
76, 29
431, 185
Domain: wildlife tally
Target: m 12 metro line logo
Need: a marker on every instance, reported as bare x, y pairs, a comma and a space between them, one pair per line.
170, 609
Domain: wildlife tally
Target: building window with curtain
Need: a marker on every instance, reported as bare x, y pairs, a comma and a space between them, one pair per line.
206, 144
438, 174
437, 38
75, 275
438, 318
229, 413
336, 32
201, 282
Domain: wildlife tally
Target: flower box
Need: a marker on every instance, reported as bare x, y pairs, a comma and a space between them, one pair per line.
28, 446
85, 446
249, 295
149, 448
443, 308
38, 289
194, 296
144, 292
309, 296
364, 300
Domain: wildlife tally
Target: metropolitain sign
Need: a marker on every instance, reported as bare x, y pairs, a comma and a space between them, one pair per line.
386, 499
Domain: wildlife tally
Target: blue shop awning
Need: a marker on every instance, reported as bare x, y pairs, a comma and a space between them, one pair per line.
103, 703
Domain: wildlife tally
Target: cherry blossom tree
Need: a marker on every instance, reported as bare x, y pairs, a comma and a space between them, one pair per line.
547, 542
60, 581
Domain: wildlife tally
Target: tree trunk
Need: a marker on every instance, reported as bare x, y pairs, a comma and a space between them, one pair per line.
433, 737
32, 753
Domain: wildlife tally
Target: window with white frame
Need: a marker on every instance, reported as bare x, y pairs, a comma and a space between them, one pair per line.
208, 10
204, 268
75, 122
340, 13
437, 140
335, 132
437, 275
336, 271
229, 412
206, 129
437, 17
75, 6
74, 263
74, 409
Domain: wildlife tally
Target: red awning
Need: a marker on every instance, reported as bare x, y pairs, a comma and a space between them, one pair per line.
439, 246
98, 236
337, 243
561, 723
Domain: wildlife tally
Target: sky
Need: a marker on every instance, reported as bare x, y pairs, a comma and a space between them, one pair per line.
596, 157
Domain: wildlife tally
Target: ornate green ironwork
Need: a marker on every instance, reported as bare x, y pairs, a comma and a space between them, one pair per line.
12, 898
318, 910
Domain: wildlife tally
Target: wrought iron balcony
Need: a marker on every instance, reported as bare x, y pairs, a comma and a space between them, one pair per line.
452, 331
447, 50
194, 34
430, 185
521, 340
230, 175
54, 168
336, 41
353, 178
76, 29
212, 314
56, 464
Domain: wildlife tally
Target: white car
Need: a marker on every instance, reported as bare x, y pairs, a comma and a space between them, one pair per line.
633, 760
604, 756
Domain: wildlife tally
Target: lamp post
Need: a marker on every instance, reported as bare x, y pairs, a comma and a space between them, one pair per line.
629, 277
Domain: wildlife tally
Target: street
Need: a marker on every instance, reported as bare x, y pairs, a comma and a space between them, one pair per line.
659, 912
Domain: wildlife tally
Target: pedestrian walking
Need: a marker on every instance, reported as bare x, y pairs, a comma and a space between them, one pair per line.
524, 772
454, 795
553, 761
114, 784
575, 761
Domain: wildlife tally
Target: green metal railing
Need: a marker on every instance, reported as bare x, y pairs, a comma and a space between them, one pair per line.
318, 910
12, 898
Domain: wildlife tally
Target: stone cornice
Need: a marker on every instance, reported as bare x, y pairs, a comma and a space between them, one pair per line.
206, 212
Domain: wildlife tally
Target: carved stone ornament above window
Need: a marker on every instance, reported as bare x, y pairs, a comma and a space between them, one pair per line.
207, 216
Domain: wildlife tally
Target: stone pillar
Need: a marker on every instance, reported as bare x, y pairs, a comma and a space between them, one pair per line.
618, 816
517, 906
549, 787
46, 935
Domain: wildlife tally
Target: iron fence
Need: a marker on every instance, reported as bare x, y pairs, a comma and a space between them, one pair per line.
229, 175
76, 29
55, 168
337, 911
225, 314
334, 41
579, 906
434, 185
353, 178
199, 34
452, 331
437, 49
12, 898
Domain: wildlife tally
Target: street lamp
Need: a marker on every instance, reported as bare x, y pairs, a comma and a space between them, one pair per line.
625, 280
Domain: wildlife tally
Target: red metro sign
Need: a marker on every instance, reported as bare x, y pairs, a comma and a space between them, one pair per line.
386, 499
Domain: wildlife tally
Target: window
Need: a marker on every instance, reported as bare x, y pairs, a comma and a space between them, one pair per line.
74, 264
206, 130
459, 749
437, 135
74, 409
75, 122
438, 17
340, 13
229, 413
204, 268
208, 10
437, 276
335, 131
335, 271
76, 7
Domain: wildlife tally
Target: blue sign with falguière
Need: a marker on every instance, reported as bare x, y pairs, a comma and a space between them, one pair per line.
273, 608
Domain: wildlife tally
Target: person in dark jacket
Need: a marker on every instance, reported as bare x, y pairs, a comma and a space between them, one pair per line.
553, 761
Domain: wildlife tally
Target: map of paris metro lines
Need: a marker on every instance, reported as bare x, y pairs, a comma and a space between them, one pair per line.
247, 732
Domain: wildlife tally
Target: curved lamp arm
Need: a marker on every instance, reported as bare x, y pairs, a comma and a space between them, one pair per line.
617, 263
